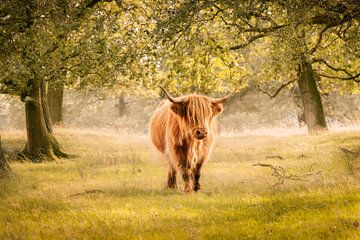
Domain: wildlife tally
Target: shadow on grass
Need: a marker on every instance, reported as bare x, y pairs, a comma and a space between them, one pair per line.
130, 192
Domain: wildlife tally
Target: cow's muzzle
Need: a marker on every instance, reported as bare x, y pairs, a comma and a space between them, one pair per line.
200, 133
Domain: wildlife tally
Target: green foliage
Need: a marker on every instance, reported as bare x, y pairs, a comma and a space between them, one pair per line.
340, 58
271, 35
203, 46
83, 44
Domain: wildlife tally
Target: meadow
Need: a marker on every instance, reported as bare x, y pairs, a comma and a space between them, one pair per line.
253, 187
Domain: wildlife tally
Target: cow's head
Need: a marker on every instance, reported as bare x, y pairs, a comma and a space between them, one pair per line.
197, 112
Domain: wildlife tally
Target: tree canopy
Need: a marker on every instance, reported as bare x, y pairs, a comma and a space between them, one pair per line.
204, 46
273, 35
81, 43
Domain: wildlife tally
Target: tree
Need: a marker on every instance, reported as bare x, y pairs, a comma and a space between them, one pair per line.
42, 40
298, 36
24, 60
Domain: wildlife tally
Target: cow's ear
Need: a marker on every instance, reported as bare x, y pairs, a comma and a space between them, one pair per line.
179, 109
217, 108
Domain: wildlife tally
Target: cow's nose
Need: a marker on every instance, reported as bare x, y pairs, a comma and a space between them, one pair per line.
200, 133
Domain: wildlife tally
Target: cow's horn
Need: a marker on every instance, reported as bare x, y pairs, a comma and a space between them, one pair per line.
173, 99
220, 100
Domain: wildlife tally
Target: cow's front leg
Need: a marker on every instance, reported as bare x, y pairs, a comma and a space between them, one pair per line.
186, 175
181, 158
197, 175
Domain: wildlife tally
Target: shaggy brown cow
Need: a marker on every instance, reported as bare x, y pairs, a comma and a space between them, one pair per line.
184, 129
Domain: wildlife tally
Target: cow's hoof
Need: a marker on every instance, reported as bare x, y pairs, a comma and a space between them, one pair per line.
188, 189
197, 188
172, 186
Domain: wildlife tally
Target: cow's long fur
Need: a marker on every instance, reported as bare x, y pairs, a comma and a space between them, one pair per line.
172, 127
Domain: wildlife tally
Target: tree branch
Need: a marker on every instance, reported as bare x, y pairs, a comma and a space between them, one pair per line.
243, 45
265, 30
278, 90
281, 173
353, 78
261, 32
332, 67
29, 99
347, 72
319, 39
90, 4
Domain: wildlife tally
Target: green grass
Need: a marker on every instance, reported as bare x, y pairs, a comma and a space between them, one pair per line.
114, 189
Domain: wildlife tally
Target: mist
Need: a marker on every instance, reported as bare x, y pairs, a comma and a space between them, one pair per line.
247, 113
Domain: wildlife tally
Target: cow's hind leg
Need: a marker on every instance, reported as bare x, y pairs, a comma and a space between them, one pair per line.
172, 183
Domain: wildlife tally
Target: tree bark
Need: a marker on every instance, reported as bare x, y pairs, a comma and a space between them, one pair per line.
310, 97
41, 144
55, 101
4, 166
45, 106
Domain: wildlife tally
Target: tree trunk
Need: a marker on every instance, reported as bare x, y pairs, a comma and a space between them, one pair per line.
55, 101
4, 166
121, 106
41, 144
310, 97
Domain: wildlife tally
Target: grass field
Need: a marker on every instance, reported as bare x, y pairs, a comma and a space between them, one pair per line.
115, 189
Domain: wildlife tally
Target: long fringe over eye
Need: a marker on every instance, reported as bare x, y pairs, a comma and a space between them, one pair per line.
199, 109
